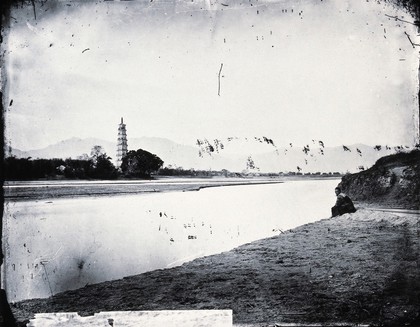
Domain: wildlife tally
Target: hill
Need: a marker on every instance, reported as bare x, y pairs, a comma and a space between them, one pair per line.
70, 148
237, 155
393, 180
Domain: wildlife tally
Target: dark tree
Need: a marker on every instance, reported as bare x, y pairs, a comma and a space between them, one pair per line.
104, 168
140, 163
101, 166
76, 168
17, 169
98, 166
27, 169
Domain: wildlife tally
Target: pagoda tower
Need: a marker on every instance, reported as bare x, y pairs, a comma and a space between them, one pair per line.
121, 143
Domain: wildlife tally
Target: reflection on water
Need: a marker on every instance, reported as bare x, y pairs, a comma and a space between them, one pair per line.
52, 246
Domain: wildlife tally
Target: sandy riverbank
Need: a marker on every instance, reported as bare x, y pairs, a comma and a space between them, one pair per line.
42, 190
358, 268
54, 189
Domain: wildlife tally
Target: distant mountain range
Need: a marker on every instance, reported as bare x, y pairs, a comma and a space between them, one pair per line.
232, 154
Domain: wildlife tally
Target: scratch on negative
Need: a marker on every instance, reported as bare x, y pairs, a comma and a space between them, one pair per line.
220, 71
33, 5
413, 44
401, 20
85, 50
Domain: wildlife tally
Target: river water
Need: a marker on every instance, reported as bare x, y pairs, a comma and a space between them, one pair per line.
52, 246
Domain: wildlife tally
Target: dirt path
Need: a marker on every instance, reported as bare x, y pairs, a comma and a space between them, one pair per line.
359, 268
397, 211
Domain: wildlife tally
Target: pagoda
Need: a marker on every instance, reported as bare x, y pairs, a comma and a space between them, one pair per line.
121, 143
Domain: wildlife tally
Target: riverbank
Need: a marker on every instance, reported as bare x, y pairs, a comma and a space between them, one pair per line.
55, 189
41, 190
357, 268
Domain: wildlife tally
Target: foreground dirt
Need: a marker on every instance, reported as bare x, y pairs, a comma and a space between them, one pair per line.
358, 268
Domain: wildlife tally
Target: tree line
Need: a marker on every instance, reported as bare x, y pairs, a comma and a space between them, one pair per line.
97, 165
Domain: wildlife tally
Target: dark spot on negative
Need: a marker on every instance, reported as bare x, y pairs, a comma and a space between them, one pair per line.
81, 264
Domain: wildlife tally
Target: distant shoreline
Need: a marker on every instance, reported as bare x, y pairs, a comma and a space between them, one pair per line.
58, 189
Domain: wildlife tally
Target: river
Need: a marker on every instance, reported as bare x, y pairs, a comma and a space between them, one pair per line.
61, 244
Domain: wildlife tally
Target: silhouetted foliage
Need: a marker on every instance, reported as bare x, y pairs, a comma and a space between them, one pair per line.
98, 166
140, 163
76, 168
101, 166
179, 171
26, 168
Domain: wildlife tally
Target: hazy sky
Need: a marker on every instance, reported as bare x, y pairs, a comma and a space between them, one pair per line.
339, 71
